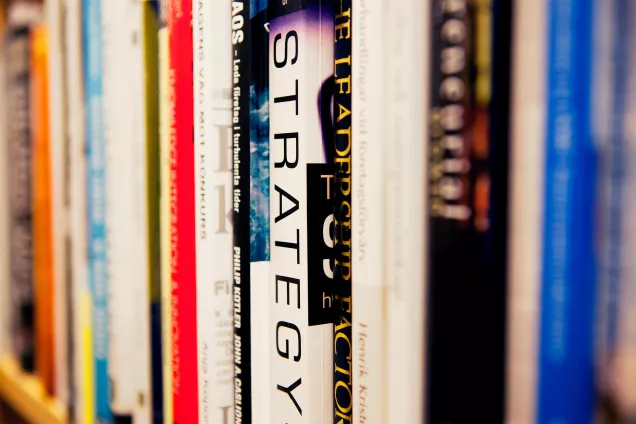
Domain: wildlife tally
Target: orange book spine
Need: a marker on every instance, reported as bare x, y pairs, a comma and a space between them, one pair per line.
42, 212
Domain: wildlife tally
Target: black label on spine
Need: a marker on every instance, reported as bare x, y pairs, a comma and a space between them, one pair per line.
241, 74
320, 253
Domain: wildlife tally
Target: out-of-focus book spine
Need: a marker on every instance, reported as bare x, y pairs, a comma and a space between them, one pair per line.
43, 272
406, 168
20, 193
5, 275
165, 212
81, 347
183, 259
341, 238
152, 168
370, 283
553, 175
250, 209
528, 117
213, 199
301, 83
125, 139
98, 274
58, 110
568, 271
467, 216
616, 139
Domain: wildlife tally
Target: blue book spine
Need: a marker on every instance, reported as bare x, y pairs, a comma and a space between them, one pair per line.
97, 263
566, 371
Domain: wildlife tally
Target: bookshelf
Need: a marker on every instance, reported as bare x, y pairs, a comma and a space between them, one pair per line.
24, 393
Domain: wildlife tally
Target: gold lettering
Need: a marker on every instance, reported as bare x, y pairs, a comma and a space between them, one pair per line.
344, 81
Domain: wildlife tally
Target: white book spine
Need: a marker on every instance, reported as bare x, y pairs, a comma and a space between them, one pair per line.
126, 208
369, 285
405, 182
212, 158
301, 62
526, 208
82, 340
57, 128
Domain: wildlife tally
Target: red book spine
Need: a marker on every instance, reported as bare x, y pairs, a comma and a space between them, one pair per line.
182, 227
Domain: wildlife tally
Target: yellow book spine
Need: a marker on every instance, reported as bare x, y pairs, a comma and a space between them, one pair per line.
166, 283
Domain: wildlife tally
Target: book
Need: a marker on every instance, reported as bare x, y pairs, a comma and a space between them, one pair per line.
183, 255
125, 122
150, 25
5, 275
406, 163
468, 216
302, 157
58, 110
370, 324
250, 209
613, 106
20, 19
98, 276
213, 198
42, 215
164, 212
552, 268
342, 235
82, 373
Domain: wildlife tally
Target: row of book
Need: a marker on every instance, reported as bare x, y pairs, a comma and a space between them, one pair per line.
321, 211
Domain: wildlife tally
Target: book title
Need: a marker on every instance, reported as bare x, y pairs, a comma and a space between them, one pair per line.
450, 165
342, 224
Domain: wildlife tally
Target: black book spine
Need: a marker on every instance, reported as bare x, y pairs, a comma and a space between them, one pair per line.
20, 164
468, 150
343, 375
241, 70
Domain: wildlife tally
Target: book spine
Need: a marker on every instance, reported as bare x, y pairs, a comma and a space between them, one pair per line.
250, 209
184, 355
60, 197
82, 378
526, 205
618, 149
213, 197
342, 271
5, 242
96, 204
301, 67
20, 195
152, 165
124, 124
568, 274
467, 221
406, 165
623, 149
370, 321
164, 213
43, 272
